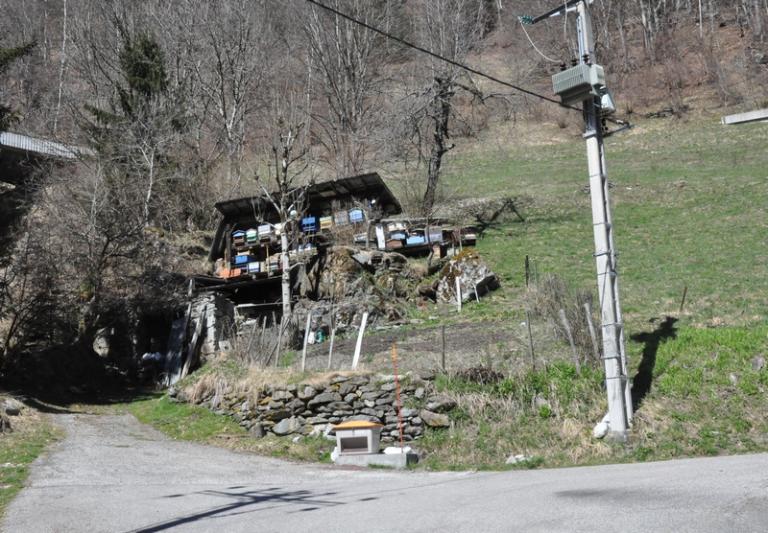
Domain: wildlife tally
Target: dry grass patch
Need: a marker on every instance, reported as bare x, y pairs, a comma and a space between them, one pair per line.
32, 433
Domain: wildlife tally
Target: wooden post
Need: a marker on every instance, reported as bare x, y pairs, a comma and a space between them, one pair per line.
569, 334
306, 339
330, 349
442, 356
592, 335
263, 337
193, 347
682, 302
359, 345
250, 342
530, 339
527, 271
458, 295
397, 395
279, 347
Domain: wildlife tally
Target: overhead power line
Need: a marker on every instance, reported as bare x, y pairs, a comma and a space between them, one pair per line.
462, 66
437, 56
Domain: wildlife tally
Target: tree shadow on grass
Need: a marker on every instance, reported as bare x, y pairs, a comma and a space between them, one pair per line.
641, 385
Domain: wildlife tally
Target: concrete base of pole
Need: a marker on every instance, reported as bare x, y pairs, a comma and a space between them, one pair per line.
617, 437
380, 460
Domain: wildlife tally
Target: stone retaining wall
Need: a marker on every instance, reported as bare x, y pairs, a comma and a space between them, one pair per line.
311, 409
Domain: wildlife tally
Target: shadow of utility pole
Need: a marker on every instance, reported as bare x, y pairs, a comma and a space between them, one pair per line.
641, 385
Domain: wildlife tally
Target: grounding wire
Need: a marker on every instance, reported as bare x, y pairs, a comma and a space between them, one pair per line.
451, 61
542, 54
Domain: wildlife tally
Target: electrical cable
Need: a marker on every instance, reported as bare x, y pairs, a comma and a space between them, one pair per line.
520, 20
437, 56
568, 42
462, 66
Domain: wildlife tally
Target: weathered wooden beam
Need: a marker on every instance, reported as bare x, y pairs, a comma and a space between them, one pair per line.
744, 118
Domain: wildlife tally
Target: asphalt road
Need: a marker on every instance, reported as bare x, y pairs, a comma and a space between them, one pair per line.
113, 474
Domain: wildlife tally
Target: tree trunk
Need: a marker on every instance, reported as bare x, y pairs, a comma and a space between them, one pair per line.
286, 274
441, 113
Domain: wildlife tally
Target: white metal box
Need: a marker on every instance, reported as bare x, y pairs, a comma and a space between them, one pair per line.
578, 83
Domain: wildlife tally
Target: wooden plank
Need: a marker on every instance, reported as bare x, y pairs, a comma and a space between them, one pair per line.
745, 118
193, 349
178, 335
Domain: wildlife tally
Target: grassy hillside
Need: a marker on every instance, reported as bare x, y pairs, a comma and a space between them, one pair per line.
690, 210
701, 396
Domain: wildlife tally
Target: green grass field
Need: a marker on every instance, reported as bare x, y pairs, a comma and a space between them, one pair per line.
183, 421
704, 397
690, 209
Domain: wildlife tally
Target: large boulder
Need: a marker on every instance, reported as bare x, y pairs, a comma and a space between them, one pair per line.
287, 426
434, 420
440, 404
325, 397
307, 392
11, 407
5, 424
475, 278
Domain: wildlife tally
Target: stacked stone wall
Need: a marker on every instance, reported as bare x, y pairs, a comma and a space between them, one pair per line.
312, 409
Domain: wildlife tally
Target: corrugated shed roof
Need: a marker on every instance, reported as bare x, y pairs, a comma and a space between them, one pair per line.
320, 195
42, 147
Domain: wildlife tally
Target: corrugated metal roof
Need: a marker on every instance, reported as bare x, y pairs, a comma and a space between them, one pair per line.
25, 143
320, 197
369, 186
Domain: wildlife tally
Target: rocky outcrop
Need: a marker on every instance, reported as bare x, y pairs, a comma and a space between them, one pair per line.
473, 274
313, 409
356, 281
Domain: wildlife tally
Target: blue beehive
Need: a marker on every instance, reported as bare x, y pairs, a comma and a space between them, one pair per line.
356, 216
242, 259
309, 224
436, 235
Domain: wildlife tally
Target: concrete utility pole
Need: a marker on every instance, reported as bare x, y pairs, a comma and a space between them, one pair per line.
580, 84
614, 355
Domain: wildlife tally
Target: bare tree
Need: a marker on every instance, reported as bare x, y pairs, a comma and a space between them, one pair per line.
236, 53
451, 29
348, 59
288, 175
